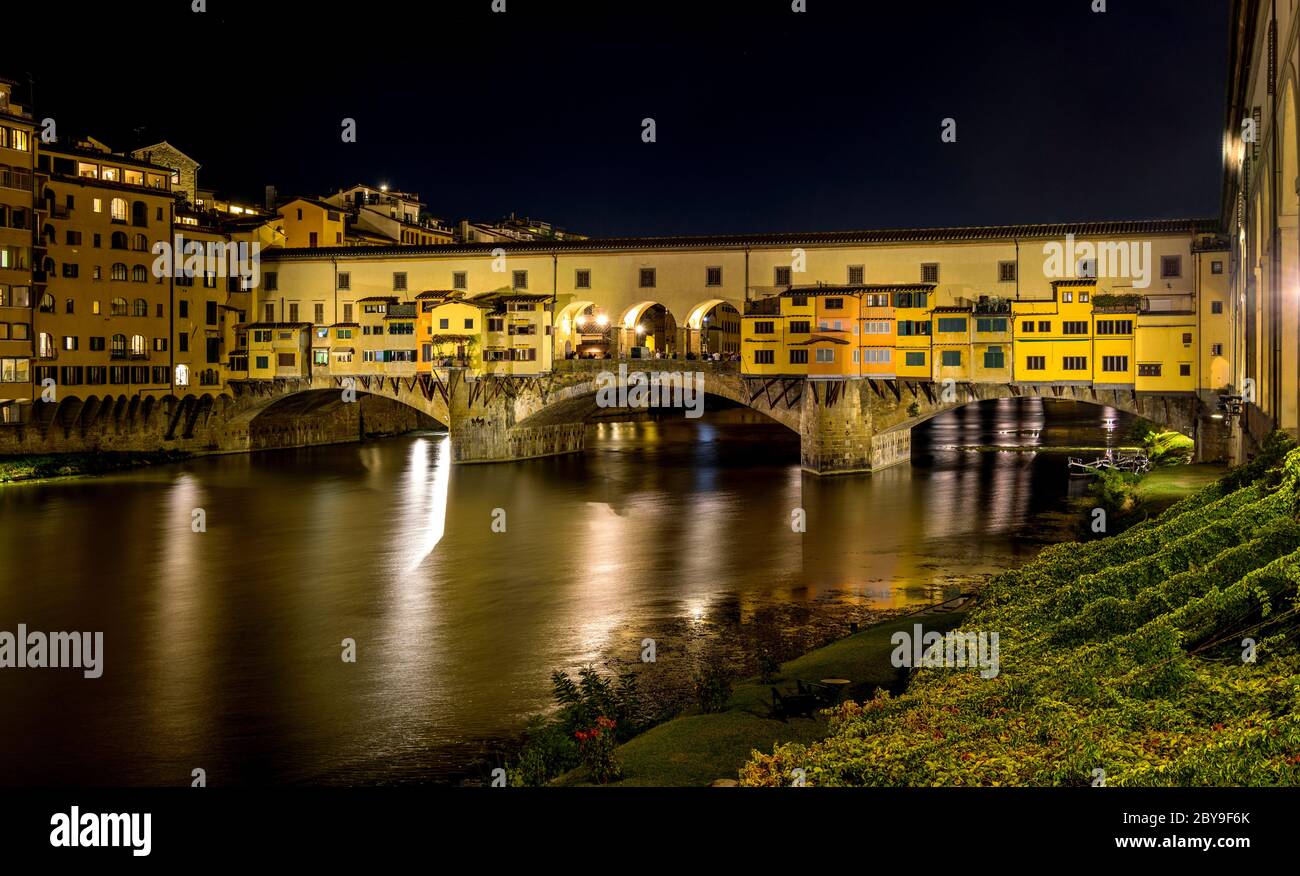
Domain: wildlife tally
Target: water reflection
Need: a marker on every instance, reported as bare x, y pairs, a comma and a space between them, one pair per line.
223, 647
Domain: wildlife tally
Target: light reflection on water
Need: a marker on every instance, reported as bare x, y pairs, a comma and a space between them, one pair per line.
223, 647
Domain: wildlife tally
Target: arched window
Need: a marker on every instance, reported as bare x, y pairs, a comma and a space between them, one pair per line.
70, 305
45, 345
141, 307
118, 272
140, 274
138, 345
46, 304
141, 243
182, 375
118, 308
118, 240
117, 209
117, 347
139, 213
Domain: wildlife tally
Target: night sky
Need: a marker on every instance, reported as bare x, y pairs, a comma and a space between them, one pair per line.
766, 120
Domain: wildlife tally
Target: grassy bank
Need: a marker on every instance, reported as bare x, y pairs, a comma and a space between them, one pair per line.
32, 467
1127, 655
696, 749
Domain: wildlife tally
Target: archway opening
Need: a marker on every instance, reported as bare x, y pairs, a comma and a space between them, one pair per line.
649, 330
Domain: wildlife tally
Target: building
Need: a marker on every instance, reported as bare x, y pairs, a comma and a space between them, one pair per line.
1261, 212
382, 216
103, 319
308, 222
18, 290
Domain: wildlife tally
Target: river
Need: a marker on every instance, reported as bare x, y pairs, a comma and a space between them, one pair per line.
222, 648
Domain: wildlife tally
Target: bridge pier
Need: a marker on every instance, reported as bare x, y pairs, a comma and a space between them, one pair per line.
837, 431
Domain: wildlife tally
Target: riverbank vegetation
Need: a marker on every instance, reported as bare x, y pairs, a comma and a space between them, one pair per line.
1166, 655
711, 740
31, 467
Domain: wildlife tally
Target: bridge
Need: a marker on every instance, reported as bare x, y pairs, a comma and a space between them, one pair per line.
856, 425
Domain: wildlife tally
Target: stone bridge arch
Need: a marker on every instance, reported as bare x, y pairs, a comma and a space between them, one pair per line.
576, 399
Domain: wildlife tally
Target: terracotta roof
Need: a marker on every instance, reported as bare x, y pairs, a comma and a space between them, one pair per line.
1008, 233
384, 298
1081, 281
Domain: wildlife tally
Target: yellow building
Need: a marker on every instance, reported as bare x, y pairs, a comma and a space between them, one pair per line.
103, 321
17, 221
307, 222
278, 350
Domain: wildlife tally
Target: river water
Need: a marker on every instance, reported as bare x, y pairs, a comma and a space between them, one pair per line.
222, 648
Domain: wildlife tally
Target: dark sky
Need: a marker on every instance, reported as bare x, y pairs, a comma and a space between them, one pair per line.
766, 120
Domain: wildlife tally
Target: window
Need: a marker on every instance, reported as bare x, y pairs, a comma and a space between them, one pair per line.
344, 280
857, 273
45, 345
1184, 369
140, 307
1087, 268
444, 323
1216, 349
117, 210
1027, 326
764, 328
399, 281
347, 312
1171, 266
469, 322
877, 299
73, 238
268, 311
1216, 267
519, 279
118, 307
1083, 297
293, 311
911, 327
1067, 297
117, 347
800, 326
781, 276
825, 355
285, 360
117, 272
582, 279
160, 345
1114, 363
1006, 272
183, 343
1044, 325
1114, 326
263, 362
994, 358
877, 355
1074, 363
46, 304
1035, 363
952, 324
914, 360
950, 358
713, 276
647, 279
766, 357
798, 300
1074, 327
798, 357
14, 371
930, 272
1187, 339
877, 327
991, 325
321, 357
139, 274
97, 205
140, 243
834, 304
69, 342
1216, 307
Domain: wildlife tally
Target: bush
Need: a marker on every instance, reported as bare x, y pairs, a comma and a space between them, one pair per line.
596, 747
712, 685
